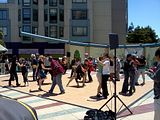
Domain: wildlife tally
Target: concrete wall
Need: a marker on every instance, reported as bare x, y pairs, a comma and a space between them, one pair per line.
95, 52
101, 20
120, 19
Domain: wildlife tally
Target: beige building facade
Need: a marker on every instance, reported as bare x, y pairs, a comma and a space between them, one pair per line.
87, 21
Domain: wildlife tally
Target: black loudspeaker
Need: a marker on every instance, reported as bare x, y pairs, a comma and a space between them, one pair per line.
113, 40
68, 54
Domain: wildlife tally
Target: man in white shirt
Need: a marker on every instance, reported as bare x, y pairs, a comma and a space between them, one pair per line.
105, 76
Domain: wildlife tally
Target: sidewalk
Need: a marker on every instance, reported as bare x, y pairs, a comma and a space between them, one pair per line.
142, 109
140, 104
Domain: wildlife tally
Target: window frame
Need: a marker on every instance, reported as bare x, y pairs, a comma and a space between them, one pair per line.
33, 15
46, 31
19, 15
61, 2
53, 3
45, 2
61, 15
83, 14
54, 15
35, 30
61, 31
26, 2
45, 15
83, 31
54, 31
29, 31
35, 2
24, 15
79, 1
4, 16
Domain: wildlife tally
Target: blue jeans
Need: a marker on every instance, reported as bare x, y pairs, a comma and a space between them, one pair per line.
56, 80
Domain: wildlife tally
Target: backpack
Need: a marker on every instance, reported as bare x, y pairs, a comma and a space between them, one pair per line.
95, 114
56, 68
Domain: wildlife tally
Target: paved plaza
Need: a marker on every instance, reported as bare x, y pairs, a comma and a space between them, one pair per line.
76, 101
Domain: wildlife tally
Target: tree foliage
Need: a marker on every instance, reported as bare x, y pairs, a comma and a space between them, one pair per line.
1, 39
141, 35
77, 54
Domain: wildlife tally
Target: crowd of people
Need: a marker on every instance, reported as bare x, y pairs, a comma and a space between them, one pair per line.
40, 66
107, 68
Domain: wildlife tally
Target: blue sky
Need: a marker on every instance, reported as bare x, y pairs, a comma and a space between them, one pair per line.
3, 1
144, 13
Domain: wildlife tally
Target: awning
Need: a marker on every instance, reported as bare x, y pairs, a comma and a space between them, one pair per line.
3, 49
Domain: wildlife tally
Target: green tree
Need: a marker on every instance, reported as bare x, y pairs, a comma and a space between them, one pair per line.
141, 35
131, 28
77, 54
1, 38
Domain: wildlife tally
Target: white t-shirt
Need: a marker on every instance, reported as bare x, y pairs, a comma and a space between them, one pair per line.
106, 67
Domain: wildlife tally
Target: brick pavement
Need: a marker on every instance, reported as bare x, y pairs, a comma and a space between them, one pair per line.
81, 97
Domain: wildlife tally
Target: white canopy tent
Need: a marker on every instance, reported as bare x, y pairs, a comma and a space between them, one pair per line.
3, 49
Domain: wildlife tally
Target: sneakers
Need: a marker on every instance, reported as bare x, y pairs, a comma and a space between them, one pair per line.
121, 93
136, 83
63, 92
98, 95
103, 97
143, 83
18, 85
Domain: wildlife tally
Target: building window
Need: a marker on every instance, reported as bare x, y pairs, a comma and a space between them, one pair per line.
19, 14
53, 31
61, 31
26, 15
35, 2
61, 2
46, 15
53, 15
3, 14
3, 1
35, 30
26, 2
79, 14
45, 2
52, 2
4, 30
26, 28
79, 1
79, 31
35, 15
20, 29
61, 15
46, 31
19, 2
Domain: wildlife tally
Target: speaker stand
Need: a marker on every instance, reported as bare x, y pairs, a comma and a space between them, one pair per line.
115, 96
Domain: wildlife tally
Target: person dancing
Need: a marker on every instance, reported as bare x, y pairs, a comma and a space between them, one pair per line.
13, 71
155, 76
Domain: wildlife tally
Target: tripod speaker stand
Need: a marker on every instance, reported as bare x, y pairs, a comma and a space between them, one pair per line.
113, 38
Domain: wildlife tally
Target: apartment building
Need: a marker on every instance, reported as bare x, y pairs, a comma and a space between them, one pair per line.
88, 21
